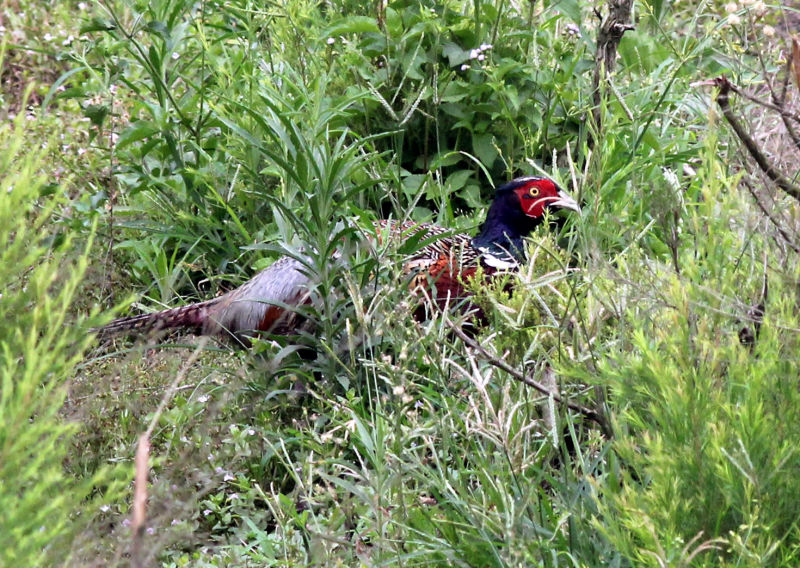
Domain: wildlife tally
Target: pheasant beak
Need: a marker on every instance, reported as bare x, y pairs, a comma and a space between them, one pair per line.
564, 201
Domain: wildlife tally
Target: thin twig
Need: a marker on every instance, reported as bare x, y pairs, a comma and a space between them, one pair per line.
725, 87
769, 216
139, 514
515, 374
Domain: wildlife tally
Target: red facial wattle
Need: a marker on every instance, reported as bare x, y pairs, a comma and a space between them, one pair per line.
534, 196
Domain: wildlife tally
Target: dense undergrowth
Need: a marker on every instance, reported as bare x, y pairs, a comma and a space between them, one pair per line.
186, 145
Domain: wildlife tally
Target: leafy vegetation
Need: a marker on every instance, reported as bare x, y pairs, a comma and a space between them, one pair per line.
168, 150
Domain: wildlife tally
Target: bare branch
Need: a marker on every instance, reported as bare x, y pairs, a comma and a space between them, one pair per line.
725, 87
589, 413
611, 31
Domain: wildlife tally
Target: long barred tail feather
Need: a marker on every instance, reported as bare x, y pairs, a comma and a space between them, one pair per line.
192, 317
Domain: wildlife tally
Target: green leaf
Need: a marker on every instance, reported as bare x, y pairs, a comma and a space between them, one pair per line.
484, 149
97, 114
136, 131
352, 25
455, 55
98, 25
569, 8
457, 180
158, 28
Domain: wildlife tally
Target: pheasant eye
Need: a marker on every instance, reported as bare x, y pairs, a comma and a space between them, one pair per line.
534, 192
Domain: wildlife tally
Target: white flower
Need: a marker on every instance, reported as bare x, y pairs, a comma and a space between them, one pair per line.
464, 67
331, 41
105, 508
734, 20
203, 398
485, 46
175, 55
769, 31
47, 37
474, 53
731, 7
81, 5
759, 7
573, 30
481, 57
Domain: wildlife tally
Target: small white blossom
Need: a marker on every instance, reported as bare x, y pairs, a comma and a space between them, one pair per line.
175, 55
151, 530
203, 398
734, 20
769, 31
464, 67
207, 512
485, 46
331, 41
81, 5
481, 57
573, 30
105, 508
731, 7
474, 53
672, 179
759, 7
47, 37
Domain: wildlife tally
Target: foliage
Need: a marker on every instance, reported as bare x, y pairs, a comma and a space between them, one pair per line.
40, 276
219, 136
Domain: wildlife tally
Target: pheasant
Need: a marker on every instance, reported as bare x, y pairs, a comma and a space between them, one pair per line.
263, 304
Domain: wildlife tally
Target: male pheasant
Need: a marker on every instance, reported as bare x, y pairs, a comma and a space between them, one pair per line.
263, 304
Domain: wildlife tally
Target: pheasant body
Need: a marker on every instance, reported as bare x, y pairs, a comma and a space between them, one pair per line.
265, 302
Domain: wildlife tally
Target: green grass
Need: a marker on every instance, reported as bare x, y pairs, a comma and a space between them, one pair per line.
171, 149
